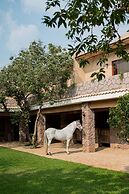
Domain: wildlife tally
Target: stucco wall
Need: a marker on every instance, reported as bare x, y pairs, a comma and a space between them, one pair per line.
108, 84
83, 74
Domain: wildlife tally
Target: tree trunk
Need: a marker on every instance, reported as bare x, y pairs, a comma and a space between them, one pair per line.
28, 135
24, 135
35, 127
22, 132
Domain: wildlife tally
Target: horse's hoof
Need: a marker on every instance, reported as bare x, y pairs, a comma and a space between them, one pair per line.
50, 154
68, 153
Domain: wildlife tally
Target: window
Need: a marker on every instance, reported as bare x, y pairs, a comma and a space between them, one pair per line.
120, 66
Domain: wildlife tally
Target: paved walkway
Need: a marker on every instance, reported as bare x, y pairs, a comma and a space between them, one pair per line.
115, 159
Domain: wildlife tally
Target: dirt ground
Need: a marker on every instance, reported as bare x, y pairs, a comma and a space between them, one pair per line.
114, 159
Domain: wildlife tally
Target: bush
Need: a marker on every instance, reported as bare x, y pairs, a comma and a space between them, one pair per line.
119, 117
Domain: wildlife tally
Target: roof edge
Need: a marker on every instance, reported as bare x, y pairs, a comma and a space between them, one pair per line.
83, 99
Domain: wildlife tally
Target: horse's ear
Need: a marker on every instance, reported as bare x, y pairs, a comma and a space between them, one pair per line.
78, 121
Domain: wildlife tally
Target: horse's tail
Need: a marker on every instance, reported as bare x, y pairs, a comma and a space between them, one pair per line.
45, 142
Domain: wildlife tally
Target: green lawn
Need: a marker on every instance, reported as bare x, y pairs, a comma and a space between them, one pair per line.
23, 173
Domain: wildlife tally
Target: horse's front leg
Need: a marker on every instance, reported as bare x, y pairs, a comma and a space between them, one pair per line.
49, 143
67, 146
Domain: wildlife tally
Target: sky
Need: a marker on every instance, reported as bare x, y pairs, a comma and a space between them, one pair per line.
20, 24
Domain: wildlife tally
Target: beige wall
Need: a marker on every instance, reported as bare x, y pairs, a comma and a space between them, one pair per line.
83, 74
103, 104
62, 109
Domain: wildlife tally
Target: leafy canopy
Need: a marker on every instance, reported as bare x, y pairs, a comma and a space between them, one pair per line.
85, 19
37, 71
119, 117
36, 75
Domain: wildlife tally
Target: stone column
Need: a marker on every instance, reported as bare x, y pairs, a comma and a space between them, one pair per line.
40, 129
88, 123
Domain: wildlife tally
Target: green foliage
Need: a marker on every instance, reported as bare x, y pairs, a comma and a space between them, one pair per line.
2, 93
2, 97
119, 117
15, 118
98, 75
37, 72
36, 75
83, 62
83, 19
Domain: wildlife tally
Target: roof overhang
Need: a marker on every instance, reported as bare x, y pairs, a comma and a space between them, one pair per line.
83, 99
101, 96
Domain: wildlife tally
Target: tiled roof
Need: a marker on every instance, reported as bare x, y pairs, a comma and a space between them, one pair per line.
101, 93
114, 94
105, 95
11, 103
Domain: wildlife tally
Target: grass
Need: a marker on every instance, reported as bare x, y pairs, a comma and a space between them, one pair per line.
23, 173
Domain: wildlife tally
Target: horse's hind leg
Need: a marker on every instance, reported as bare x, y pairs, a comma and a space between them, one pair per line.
49, 143
67, 146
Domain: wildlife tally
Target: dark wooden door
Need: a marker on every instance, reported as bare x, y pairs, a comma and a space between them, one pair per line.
103, 136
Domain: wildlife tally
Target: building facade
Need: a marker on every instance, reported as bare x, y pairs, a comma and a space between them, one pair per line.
89, 101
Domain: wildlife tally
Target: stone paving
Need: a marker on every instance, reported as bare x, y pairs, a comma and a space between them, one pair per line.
114, 159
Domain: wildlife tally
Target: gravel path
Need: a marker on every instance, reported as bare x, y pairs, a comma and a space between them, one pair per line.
114, 159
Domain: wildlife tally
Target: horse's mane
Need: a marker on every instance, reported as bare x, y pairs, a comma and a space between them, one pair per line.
69, 125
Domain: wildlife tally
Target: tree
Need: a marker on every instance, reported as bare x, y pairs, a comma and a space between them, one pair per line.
36, 75
2, 94
59, 69
119, 117
85, 19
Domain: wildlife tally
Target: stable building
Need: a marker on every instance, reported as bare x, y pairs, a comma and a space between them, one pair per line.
89, 101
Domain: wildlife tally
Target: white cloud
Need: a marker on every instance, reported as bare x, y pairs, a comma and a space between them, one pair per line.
30, 6
19, 35
8, 20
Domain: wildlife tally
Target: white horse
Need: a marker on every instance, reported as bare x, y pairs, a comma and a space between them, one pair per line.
65, 134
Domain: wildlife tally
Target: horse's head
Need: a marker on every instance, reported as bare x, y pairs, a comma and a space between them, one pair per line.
78, 125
